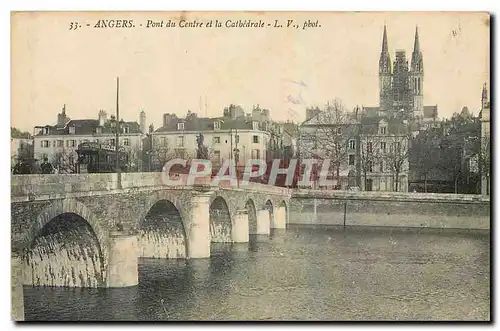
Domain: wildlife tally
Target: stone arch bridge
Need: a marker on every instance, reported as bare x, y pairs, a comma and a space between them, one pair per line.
88, 230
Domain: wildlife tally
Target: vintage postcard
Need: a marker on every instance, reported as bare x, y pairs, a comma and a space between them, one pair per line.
250, 166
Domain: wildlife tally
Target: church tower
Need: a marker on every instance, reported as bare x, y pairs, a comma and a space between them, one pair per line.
484, 97
417, 78
402, 96
385, 75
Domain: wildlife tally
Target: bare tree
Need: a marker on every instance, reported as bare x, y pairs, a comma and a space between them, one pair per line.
160, 154
425, 154
334, 127
133, 159
369, 154
64, 162
397, 156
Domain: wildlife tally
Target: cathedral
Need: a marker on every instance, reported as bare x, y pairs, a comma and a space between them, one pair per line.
401, 85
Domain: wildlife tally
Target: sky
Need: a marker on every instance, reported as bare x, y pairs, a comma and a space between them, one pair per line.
173, 70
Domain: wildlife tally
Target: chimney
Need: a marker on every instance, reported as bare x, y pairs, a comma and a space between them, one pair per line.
142, 122
62, 119
167, 118
102, 117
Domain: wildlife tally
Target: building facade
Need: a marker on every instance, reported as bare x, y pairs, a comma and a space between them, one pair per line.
235, 135
383, 154
58, 143
365, 152
21, 148
338, 142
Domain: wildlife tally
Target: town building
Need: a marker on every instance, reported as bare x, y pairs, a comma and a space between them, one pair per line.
383, 154
21, 148
365, 152
235, 135
336, 141
58, 143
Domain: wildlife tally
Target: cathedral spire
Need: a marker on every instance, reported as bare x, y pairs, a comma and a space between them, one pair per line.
385, 48
416, 45
385, 58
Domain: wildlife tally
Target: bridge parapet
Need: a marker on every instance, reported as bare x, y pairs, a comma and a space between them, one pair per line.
394, 196
55, 184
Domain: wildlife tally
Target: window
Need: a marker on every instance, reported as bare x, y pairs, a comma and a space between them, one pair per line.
217, 125
45, 143
217, 156
255, 125
237, 139
255, 154
70, 143
98, 130
180, 141
352, 144
381, 166
339, 130
126, 142
112, 142
163, 141
126, 129
54, 143
60, 143
369, 147
369, 166
383, 146
180, 126
71, 130
383, 130
255, 139
351, 159
216, 140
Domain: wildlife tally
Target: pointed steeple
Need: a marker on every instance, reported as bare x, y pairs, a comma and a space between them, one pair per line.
385, 58
416, 45
385, 48
417, 59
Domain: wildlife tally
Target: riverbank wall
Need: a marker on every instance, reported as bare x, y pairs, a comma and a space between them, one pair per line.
389, 209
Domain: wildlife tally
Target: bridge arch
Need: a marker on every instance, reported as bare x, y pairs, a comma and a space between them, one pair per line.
161, 227
220, 220
66, 246
252, 216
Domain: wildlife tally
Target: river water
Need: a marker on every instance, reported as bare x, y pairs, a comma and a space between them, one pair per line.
298, 274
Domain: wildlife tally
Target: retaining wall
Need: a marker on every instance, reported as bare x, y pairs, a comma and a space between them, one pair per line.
393, 210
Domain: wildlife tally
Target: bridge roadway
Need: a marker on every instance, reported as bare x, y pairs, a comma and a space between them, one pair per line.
88, 230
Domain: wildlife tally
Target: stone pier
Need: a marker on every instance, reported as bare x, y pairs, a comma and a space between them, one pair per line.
123, 259
279, 219
263, 222
198, 230
239, 229
17, 294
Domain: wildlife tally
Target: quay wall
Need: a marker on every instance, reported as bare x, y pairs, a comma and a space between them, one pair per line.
444, 211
